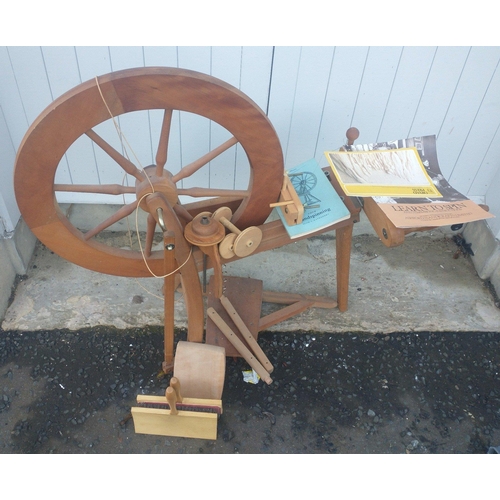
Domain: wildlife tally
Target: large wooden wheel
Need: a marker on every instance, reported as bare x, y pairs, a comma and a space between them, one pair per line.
80, 110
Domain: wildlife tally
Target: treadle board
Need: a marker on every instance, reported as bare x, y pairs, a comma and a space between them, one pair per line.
245, 294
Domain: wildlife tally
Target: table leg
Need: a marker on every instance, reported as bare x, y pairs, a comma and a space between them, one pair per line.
343, 249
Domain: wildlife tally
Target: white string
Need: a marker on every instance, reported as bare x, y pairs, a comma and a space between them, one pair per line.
123, 138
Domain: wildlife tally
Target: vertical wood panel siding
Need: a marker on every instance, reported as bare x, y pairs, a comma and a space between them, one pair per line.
9, 213
312, 95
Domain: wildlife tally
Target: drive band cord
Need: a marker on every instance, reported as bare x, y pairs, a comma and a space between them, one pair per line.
125, 146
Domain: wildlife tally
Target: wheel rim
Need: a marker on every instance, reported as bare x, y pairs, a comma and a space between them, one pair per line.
82, 108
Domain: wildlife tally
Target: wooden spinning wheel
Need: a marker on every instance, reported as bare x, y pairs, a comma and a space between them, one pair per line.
191, 231
81, 109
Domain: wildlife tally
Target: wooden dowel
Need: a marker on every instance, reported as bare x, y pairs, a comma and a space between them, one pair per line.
239, 346
229, 225
94, 188
281, 203
247, 334
198, 192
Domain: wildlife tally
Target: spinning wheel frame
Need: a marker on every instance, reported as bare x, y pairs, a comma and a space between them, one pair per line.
82, 108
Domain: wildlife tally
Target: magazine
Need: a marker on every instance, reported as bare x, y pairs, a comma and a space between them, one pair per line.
382, 172
323, 207
408, 212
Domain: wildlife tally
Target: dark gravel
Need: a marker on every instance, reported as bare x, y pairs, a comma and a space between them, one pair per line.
417, 393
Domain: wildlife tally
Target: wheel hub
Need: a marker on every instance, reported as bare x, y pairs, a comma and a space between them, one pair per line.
156, 184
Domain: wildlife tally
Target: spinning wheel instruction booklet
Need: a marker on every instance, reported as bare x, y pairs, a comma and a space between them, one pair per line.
323, 207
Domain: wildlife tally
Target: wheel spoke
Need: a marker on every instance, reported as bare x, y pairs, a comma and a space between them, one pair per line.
162, 152
94, 188
182, 212
198, 192
125, 163
200, 162
150, 232
120, 214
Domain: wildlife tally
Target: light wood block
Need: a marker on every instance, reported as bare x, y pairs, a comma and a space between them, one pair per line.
189, 424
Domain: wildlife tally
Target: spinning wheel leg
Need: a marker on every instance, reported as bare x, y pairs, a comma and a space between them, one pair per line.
168, 299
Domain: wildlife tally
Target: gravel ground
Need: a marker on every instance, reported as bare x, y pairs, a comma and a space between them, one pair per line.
67, 392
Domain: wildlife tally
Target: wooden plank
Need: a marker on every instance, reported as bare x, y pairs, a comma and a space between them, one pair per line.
389, 234
374, 90
195, 129
470, 175
93, 62
291, 298
63, 74
189, 424
34, 89
160, 56
135, 126
467, 98
438, 92
284, 314
493, 200
309, 102
9, 212
256, 67
407, 89
226, 65
245, 294
281, 98
11, 101
32, 83
347, 66
454, 97
145, 398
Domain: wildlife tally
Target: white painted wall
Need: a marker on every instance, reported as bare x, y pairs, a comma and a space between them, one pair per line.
312, 96
9, 213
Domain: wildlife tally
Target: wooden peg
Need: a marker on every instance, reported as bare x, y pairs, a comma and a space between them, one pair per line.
176, 386
172, 400
289, 203
352, 134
